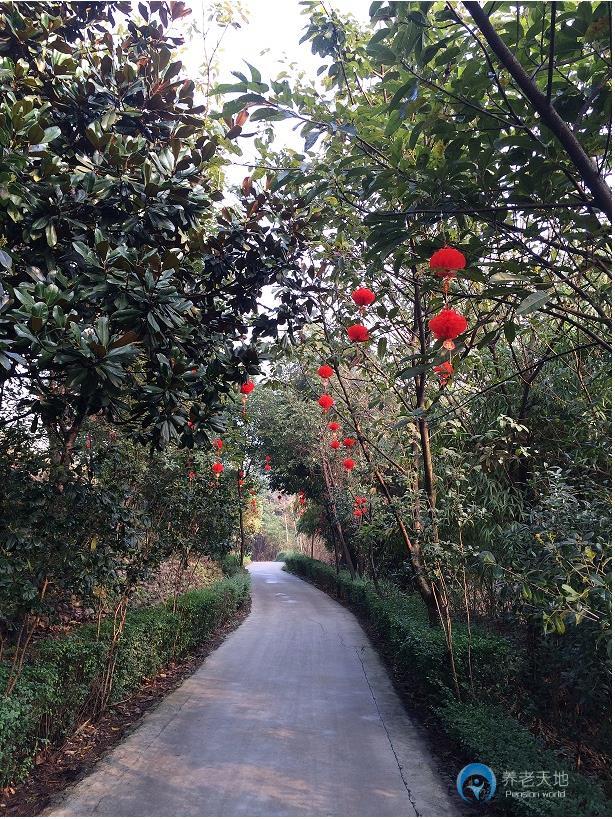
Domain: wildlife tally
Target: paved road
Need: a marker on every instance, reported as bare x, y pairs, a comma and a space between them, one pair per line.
293, 715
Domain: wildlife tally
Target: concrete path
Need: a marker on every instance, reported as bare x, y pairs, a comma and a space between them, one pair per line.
293, 715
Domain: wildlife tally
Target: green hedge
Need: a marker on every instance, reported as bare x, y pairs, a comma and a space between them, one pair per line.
479, 727
56, 690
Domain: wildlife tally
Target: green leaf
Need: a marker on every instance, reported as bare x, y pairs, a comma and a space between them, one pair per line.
52, 236
51, 133
533, 302
5, 260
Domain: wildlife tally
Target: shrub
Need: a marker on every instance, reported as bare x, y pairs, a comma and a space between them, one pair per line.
57, 688
483, 731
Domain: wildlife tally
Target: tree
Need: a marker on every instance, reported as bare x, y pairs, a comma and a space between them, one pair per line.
123, 292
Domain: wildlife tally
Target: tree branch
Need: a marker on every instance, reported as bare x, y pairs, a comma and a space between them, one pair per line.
584, 164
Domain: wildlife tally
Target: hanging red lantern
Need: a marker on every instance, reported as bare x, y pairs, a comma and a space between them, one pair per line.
447, 325
444, 372
325, 371
334, 426
335, 444
446, 261
357, 333
358, 513
363, 297
348, 464
217, 468
245, 390
267, 467
218, 444
349, 442
326, 402
267, 458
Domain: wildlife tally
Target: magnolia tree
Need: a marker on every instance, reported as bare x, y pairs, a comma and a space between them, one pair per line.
124, 291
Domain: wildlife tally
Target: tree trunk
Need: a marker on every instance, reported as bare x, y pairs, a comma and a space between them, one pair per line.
337, 524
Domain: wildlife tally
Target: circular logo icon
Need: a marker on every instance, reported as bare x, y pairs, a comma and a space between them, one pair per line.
476, 783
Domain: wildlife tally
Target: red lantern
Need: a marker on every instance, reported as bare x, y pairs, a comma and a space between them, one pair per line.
245, 390
447, 261
363, 296
217, 468
358, 513
335, 444
326, 402
447, 325
357, 333
325, 371
348, 464
218, 444
267, 458
349, 442
267, 467
444, 371
334, 426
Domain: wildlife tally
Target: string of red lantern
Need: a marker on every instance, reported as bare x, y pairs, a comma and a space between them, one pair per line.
448, 324
360, 506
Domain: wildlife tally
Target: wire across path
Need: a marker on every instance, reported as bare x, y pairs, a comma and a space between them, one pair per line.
293, 715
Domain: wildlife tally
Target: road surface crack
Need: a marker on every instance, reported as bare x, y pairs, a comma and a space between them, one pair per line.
386, 731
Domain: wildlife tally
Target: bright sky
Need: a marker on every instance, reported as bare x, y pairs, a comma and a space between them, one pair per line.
270, 38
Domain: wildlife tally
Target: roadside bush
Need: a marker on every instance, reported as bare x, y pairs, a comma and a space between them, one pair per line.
57, 689
486, 733
482, 730
230, 564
